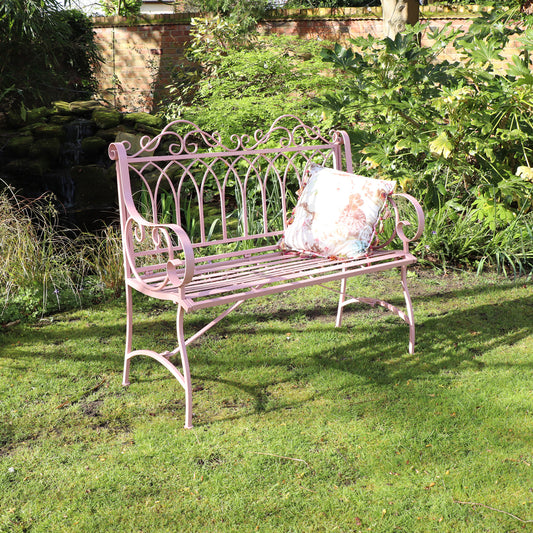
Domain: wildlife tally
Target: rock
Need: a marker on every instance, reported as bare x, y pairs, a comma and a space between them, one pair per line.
19, 146
60, 119
27, 167
94, 145
110, 134
62, 107
37, 115
143, 118
149, 130
106, 118
80, 108
61, 150
135, 142
111, 173
47, 148
17, 119
45, 131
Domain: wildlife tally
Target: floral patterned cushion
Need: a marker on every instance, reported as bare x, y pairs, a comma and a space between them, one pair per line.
336, 213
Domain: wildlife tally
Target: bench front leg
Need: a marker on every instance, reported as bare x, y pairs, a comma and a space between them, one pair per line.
409, 308
185, 368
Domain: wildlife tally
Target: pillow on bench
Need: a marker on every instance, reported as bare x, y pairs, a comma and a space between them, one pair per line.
336, 213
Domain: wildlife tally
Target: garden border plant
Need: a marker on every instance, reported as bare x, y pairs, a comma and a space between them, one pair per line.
45, 268
48, 53
458, 134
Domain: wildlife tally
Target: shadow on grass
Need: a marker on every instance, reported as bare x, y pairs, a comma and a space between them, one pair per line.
446, 340
449, 341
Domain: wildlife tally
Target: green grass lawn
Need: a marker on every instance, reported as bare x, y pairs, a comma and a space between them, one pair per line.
298, 426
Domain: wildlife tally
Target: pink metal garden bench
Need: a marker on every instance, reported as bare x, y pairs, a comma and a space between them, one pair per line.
201, 221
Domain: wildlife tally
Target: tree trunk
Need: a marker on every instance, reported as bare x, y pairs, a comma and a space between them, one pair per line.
527, 7
397, 14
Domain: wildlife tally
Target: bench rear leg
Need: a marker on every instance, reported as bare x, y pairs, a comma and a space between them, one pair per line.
407, 317
342, 298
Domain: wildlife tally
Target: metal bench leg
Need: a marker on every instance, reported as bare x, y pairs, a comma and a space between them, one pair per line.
183, 377
342, 298
129, 335
185, 368
410, 314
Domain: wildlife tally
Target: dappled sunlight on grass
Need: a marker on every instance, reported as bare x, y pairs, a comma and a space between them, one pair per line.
299, 426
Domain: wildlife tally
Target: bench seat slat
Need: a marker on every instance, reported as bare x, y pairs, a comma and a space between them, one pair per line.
225, 282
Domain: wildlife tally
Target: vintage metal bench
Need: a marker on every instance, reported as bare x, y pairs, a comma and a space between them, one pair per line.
201, 221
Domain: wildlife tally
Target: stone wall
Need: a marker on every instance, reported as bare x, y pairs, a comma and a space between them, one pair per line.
63, 149
139, 57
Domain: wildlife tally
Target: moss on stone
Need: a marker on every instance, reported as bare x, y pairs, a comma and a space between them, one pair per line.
46, 148
27, 167
110, 134
19, 146
80, 108
60, 119
44, 130
18, 119
62, 107
144, 119
93, 145
147, 130
106, 118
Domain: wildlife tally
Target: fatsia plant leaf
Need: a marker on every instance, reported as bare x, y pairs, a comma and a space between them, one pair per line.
441, 145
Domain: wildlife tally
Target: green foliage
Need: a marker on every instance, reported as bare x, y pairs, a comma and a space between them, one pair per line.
38, 264
23, 19
47, 53
121, 8
45, 268
496, 3
331, 3
243, 14
80, 57
102, 255
448, 132
367, 3
256, 81
215, 37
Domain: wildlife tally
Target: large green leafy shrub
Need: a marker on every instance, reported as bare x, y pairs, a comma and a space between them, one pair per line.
242, 14
244, 83
47, 53
459, 135
121, 8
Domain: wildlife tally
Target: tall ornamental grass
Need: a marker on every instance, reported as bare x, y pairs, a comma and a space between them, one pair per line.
37, 262
46, 268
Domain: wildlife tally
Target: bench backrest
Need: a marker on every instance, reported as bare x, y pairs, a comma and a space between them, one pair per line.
221, 193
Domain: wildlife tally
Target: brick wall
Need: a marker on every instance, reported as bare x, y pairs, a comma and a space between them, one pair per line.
139, 57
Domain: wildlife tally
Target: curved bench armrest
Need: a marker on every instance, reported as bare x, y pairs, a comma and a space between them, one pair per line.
166, 239
420, 220
400, 224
